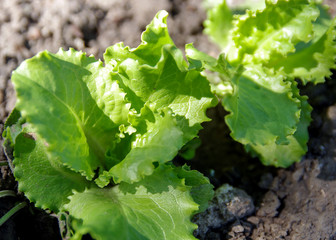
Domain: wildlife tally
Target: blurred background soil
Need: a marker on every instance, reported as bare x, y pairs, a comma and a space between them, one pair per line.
294, 203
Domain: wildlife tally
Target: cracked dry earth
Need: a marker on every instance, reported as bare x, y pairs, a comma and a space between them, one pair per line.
264, 203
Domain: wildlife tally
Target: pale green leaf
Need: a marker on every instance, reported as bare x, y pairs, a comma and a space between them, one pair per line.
156, 208
272, 32
284, 155
262, 108
153, 38
42, 178
53, 95
219, 23
314, 60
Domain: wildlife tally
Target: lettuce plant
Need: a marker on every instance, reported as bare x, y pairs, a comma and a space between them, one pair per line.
95, 141
264, 52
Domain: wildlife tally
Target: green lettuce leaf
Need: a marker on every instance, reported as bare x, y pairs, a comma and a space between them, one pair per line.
313, 61
219, 22
157, 207
53, 96
262, 108
284, 155
272, 32
38, 174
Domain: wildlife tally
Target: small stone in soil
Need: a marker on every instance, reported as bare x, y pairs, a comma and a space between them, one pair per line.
229, 204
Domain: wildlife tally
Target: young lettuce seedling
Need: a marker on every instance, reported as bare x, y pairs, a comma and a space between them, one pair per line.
97, 141
263, 53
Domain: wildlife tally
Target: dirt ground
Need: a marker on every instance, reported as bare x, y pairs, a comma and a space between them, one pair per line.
294, 203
